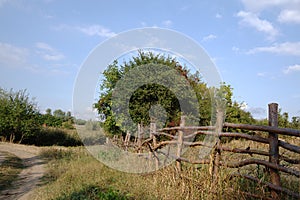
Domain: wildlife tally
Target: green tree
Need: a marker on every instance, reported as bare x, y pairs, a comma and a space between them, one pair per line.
295, 123
283, 119
59, 113
146, 96
19, 116
48, 111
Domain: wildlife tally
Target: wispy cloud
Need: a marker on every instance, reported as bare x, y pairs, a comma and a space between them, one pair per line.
286, 48
185, 7
209, 37
260, 5
96, 30
235, 49
218, 16
291, 69
289, 16
167, 23
252, 20
89, 30
261, 74
288, 10
13, 56
48, 53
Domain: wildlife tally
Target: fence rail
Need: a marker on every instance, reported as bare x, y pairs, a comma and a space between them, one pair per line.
184, 134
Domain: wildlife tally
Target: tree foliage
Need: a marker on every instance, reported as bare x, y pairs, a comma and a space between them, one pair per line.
19, 116
148, 95
58, 119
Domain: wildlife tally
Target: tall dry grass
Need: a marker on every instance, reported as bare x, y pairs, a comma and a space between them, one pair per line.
74, 174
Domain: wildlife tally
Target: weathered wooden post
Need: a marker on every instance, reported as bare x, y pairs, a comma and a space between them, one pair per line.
219, 127
273, 147
180, 143
153, 137
139, 137
127, 140
216, 154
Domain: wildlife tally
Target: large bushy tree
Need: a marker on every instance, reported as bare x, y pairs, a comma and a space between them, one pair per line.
152, 94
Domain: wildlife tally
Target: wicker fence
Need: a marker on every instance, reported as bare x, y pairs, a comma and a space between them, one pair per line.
183, 133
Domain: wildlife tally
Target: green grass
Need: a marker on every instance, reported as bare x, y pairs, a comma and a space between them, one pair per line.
9, 170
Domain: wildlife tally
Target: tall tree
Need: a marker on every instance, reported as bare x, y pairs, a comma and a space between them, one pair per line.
149, 95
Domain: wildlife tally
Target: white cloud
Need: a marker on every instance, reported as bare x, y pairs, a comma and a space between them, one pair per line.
289, 16
167, 23
209, 37
252, 20
185, 8
97, 30
90, 30
218, 16
261, 74
235, 49
48, 53
13, 56
260, 5
44, 46
287, 48
291, 69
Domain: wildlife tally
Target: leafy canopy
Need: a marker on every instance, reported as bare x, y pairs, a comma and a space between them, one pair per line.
19, 116
149, 95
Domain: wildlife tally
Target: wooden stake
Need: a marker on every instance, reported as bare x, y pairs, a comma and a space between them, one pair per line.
180, 143
273, 148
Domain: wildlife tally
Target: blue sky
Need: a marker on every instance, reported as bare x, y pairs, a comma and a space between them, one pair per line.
254, 44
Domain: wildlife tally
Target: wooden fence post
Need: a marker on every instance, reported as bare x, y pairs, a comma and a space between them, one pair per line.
216, 154
180, 143
273, 147
127, 140
153, 137
139, 137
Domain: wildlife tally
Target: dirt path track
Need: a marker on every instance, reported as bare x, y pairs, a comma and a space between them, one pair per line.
30, 176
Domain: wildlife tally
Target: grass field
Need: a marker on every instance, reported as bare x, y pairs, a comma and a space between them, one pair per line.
74, 174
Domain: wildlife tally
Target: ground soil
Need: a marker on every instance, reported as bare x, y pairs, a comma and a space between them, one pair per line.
30, 176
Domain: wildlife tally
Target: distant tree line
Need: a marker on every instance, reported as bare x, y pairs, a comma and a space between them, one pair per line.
58, 118
284, 120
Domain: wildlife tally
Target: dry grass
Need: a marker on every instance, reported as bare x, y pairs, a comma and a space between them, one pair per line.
74, 174
9, 170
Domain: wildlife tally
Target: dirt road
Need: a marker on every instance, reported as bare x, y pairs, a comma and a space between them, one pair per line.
30, 176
